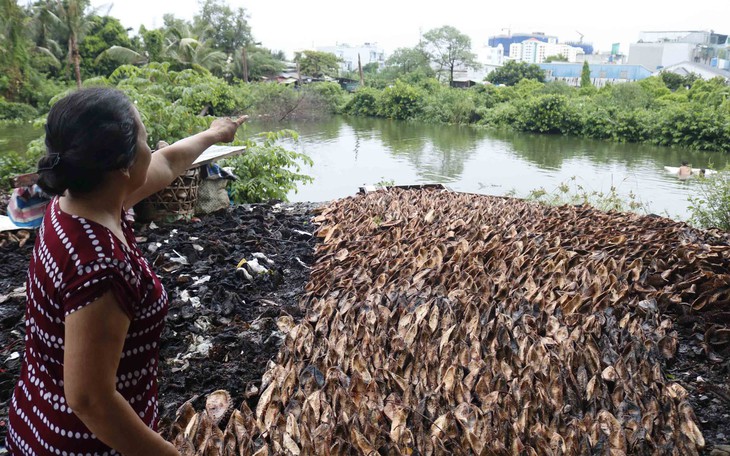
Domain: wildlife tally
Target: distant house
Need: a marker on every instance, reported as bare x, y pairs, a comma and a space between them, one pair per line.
600, 74
704, 71
367, 53
348, 84
464, 83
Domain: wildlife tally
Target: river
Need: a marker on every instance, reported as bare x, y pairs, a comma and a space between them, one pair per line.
351, 151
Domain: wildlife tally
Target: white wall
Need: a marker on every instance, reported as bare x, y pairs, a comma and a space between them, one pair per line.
348, 54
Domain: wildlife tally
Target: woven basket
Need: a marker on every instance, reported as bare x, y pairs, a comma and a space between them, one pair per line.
175, 201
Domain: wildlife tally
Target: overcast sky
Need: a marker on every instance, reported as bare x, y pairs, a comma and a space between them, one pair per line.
291, 25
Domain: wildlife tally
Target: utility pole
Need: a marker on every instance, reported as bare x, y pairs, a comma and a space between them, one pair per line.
245, 64
359, 67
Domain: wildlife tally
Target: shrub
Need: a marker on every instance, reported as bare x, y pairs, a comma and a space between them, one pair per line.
693, 126
169, 104
16, 111
272, 100
710, 208
364, 102
401, 101
267, 170
452, 106
546, 114
502, 115
329, 95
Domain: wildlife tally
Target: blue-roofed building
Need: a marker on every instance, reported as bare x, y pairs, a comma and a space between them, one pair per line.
507, 40
600, 74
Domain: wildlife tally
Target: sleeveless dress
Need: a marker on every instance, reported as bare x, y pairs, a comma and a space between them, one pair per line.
74, 262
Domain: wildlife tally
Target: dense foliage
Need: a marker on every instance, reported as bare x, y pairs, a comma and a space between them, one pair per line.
175, 104
696, 115
268, 170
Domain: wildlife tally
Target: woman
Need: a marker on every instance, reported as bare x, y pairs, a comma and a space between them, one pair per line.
95, 309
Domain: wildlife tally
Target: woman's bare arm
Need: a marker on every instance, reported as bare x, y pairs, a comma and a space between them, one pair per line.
175, 159
94, 339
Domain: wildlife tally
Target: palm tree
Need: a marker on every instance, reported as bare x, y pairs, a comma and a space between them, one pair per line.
72, 13
42, 25
14, 51
182, 47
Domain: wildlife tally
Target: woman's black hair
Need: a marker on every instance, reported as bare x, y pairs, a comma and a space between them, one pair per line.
88, 133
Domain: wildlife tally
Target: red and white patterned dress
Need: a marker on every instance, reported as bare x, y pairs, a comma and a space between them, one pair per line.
74, 262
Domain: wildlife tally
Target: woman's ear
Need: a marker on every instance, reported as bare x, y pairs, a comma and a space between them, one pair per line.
125, 171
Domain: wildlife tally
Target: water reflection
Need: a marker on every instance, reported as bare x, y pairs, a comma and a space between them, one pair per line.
350, 151
15, 137
550, 152
438, 154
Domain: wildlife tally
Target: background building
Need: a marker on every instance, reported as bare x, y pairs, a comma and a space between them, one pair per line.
507, 40
657, 50
601, 75
369, 53
535, 51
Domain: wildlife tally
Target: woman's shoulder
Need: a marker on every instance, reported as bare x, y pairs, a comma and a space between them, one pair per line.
76, 241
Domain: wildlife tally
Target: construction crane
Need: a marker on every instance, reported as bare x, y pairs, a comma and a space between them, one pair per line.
581, 36
509, 31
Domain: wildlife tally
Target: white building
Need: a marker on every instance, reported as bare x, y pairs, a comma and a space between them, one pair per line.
368, 52
657, 50
536, 51
491, 55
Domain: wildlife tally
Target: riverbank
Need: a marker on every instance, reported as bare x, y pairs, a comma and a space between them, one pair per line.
222, 327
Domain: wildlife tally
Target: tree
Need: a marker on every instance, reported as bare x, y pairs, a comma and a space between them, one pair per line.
182, 47
103, 32
225, 29
47, 37
585, 75
556, 58
408, 60
14, 55
317, 64
72, 14
371, 68
261, 63
449, 48
513, 72
153, 42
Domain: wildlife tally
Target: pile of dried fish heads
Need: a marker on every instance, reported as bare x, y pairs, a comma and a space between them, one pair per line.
446, 323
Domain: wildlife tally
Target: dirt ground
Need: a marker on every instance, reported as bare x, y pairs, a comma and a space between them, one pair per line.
221, 330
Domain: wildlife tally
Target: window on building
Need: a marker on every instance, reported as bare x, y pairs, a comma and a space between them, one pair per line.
602, 75
624, 75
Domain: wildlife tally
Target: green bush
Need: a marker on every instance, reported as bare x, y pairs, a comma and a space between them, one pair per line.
451, 106
16, 111
330, 94
13, 164
710, 208
272, 100
267, 170
693, 126
364, 102
502, 115
401, 101
546, 114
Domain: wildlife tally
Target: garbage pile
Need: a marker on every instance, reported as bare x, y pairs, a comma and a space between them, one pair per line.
446, 323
